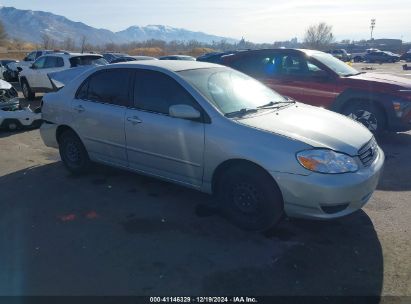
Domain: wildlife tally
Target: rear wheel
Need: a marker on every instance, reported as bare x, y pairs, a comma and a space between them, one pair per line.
250, 198
368, 114
11, 124
73, 153
27, 92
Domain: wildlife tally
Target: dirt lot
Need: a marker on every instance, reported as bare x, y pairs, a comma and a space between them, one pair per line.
116, 233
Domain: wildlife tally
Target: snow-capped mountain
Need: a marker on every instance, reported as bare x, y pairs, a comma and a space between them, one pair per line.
28, 25
166, 33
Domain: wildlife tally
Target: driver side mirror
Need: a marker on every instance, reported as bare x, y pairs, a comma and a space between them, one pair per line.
26, 59
183, 111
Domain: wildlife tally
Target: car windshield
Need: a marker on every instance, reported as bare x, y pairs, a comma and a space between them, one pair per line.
231, 91
339, 67
87, 60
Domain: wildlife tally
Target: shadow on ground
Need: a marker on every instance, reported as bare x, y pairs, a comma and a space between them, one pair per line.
397, 147
115, 233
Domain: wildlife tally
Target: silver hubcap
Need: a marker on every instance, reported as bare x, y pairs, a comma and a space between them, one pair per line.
367, 118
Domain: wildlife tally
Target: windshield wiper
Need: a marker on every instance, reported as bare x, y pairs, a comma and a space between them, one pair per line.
241, 112
272, 104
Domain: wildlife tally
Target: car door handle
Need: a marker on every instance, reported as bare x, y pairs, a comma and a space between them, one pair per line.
134, 120
79, 108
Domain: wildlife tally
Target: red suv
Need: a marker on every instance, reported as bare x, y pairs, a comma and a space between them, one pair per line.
379, 101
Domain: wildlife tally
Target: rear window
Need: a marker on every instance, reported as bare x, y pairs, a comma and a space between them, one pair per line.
87, 60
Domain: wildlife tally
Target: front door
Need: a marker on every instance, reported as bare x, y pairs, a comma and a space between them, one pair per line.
157, 143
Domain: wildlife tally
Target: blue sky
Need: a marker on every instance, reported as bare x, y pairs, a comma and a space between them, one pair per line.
256, 20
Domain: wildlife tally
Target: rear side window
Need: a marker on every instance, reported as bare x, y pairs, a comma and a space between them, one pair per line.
156, 92
87, 60
109, 86
54, 62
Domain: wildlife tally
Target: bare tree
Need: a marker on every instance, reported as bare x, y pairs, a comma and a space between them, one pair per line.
69, 44
47, 41
3, 34
319, 36
83, 41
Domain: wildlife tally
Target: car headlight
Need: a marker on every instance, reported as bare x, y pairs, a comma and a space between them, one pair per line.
326, 161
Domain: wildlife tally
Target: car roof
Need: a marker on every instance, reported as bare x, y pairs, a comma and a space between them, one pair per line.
72, 54
172, 65
282, 50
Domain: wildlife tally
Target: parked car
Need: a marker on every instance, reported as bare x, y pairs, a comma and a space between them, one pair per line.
10, 74
132, 58
214, 129
3, 64
379, 101
340, 54
109, 57
381, 56
8, 96
16, 67
177, 57
35, 80
215, 57
13, 119
406, 57
359, 56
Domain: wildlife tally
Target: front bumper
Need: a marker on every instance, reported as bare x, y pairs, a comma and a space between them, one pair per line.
48, 133
327, 196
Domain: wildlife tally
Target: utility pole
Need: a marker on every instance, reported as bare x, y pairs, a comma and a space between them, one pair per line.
372, 27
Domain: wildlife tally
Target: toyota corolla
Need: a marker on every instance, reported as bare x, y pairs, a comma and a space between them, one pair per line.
214, 129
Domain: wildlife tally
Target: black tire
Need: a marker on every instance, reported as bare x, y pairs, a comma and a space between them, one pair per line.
370, 115
11, 124
73, 153
250, 198
27, 92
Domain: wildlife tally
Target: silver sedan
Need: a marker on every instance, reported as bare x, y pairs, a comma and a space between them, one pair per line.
219, 131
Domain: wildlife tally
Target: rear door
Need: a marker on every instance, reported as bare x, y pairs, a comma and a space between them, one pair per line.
98, 114
157, 143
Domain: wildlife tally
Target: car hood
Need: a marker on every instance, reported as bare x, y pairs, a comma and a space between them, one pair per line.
314, 126
385, 78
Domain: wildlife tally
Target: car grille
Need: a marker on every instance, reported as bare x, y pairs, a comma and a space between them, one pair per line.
369, 152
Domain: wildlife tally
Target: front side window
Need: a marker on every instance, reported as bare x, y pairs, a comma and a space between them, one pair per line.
108, 86
31, 56
156, 92
39, 63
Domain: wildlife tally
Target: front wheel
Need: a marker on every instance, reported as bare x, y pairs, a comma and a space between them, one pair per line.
250, 198
73, 153
367, 114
